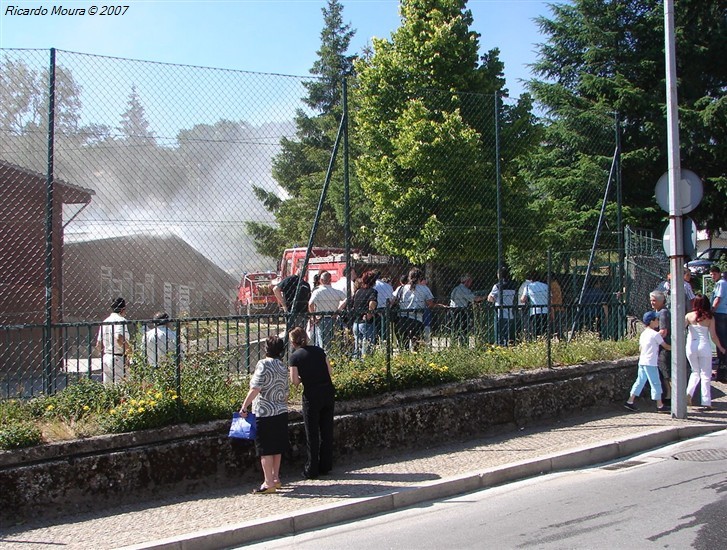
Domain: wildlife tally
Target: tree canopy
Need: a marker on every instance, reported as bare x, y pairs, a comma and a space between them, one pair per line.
604, 59
425, 119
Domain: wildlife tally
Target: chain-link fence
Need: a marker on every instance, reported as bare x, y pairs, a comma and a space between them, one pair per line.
141, 180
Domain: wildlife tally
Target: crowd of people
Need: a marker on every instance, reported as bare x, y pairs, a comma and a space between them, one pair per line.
356, 303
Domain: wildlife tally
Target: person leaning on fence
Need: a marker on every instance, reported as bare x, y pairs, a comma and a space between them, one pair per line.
113, 343
284, 293
650, 342
310, 366
504, 296
268, 395
461, 300
324, 299
160, 342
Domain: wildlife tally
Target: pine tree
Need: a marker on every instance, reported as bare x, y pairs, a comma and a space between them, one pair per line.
300, 168
604, 58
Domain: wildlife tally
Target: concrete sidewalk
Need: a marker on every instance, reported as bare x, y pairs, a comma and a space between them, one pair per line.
219, 519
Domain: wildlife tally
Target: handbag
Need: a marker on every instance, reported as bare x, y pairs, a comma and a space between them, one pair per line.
243, 428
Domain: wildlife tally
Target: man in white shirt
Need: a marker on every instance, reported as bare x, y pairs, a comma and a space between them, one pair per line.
113, 342
324, 299
348, 278
535, 294
384, 297
160, 343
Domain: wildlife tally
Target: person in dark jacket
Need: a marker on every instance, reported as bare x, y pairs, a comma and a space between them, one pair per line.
310, 366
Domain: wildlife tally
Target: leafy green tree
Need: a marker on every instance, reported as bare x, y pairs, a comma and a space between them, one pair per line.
300, 167
606, 57
425, 119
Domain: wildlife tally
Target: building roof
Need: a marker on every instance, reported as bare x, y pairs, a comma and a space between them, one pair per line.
69, 193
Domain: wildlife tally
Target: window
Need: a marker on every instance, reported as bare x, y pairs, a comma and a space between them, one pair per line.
106, 284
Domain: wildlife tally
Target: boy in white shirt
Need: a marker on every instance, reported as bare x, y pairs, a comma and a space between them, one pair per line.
649, 343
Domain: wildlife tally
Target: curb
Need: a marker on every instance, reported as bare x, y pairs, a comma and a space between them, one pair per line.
279, 526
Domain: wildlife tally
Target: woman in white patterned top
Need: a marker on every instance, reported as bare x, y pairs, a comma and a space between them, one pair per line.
269, 388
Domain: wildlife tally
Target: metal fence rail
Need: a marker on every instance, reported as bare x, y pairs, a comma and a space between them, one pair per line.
239, 342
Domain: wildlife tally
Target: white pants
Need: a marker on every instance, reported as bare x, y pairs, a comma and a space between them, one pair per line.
113, 368
701, 370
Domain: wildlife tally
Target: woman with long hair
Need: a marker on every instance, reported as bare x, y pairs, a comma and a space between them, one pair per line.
700, 327
269, 389
310, 366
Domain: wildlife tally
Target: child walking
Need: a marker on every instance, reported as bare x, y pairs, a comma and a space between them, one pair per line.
649, 343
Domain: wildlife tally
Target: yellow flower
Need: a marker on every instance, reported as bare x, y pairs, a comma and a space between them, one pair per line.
141, 409
49, 408
86, 408
152, 403
132, 402
158, 395
112, 411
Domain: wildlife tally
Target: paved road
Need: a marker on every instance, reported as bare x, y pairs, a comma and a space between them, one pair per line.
230, 517
675, 497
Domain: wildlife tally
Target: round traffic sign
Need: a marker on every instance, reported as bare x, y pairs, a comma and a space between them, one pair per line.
689, 238
690, 191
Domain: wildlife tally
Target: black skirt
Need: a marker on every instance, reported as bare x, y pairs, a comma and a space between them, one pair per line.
272, 435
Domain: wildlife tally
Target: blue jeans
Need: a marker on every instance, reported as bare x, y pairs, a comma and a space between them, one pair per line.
505, 330
650, 373
323, 332
364, 335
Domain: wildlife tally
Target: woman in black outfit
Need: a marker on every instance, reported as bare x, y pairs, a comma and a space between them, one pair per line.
310, 366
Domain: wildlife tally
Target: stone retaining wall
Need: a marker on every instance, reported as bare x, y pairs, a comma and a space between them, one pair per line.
89, 474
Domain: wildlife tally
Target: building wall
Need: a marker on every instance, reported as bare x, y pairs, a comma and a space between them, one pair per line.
150, 273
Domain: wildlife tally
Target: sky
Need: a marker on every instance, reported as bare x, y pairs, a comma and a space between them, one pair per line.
270, 36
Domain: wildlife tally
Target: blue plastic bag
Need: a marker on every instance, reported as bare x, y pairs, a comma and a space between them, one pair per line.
243, 428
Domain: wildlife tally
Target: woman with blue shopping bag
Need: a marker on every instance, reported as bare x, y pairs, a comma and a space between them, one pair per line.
268, 395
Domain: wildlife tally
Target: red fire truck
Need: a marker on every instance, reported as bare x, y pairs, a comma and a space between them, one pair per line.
255, 293
333, 260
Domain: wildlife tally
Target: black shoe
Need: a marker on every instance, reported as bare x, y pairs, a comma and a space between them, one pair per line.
667, 402
307, 475
663, 409
631, 407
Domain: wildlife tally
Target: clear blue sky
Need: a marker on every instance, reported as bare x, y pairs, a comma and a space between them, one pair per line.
275, 36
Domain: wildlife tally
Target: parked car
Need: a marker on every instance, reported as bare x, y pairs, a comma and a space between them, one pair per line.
702, 263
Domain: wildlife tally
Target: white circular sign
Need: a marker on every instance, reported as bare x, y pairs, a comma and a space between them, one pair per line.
690, 191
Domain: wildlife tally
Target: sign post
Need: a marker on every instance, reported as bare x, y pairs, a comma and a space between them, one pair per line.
676, 257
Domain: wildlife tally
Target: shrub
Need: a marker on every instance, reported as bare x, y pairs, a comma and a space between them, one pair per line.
16, 435
85, 397
153, 408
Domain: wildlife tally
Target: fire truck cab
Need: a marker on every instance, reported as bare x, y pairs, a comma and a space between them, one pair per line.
255, 293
